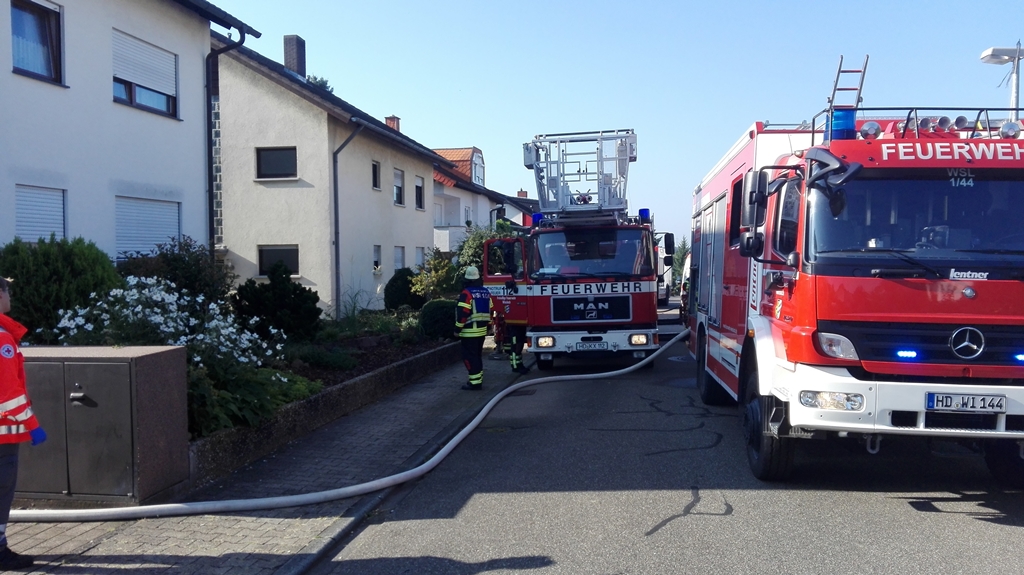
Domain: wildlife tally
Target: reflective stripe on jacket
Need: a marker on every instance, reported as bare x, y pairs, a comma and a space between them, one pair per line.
473, 312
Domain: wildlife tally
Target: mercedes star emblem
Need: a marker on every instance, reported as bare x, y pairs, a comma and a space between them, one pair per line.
967, 343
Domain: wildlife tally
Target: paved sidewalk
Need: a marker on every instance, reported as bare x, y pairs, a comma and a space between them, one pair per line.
372, 442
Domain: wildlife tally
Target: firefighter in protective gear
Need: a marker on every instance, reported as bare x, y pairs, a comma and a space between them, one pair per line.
472, 316
515, 338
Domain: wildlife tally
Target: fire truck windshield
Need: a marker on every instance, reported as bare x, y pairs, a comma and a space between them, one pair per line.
953, 214
593, 252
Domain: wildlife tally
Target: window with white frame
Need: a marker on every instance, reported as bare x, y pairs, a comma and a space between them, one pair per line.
478, 168
270, 256
421, 256
469, 215
36, 39
38, 213
399, 188
376, 258
399, 257
145, 76
420, 200
375, 175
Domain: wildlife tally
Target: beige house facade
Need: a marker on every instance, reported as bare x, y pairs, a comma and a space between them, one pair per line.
307, 179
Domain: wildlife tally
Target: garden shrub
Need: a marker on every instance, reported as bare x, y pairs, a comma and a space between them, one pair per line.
53, 275
437, 277
279, 304
437, 318
320, 356
185, 263
226, 384
398, 291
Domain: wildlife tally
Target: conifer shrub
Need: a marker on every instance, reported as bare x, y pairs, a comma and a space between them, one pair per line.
280, 303
52, 275
398, 291
437, 318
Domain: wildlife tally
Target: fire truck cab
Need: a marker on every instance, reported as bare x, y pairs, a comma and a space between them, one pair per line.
863, 276
587, 280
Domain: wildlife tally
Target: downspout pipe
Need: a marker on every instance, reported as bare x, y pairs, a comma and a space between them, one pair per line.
211, 59
336, 276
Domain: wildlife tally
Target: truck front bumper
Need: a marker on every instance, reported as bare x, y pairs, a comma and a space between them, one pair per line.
897, 407
618, 341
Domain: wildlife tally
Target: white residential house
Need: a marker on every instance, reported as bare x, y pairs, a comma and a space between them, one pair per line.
103, 120
461, 198
308, 179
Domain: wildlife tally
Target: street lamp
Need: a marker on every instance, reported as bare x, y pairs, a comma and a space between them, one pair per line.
1007, 56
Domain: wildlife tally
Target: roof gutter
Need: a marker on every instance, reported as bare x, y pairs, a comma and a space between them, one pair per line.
211, 60
336, 276
434, 157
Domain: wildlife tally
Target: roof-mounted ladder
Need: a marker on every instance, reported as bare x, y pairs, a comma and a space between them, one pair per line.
856, 76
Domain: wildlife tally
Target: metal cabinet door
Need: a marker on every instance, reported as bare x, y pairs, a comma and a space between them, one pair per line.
44, 468
99, 423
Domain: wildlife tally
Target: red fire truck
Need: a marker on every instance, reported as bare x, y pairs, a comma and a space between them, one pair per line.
584, 279
864, 277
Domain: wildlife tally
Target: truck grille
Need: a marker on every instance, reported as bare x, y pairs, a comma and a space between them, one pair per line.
931, 342
591, 308
963, 421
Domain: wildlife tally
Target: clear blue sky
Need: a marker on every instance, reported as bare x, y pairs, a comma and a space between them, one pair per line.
689, 77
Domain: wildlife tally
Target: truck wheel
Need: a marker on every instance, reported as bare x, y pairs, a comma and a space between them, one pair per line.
545, 364
1002, 456
711, 392
770, 458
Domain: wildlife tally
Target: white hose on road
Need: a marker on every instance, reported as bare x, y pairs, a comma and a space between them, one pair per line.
240, 505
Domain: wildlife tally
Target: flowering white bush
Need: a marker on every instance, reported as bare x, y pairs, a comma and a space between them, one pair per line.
152, 312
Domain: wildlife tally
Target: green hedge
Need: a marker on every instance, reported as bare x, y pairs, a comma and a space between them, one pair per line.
437, 318
53, 275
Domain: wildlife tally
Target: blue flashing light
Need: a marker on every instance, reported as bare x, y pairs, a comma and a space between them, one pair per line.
1019, 357
645, 215
842, 125
537, 217
906, 354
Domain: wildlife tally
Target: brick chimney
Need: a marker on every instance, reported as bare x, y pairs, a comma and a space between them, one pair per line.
295, 54
393, 123
521, 193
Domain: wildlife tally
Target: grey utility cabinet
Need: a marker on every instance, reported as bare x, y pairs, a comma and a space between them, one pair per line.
116, 421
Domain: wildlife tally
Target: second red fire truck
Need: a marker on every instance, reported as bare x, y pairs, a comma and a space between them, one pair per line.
863, 277
584, 280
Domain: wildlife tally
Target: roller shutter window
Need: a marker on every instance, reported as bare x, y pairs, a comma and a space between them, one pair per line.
142, 224
38, 212
145, 76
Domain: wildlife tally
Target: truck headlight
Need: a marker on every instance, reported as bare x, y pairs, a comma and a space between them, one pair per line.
545, 341
832, 400
638, 339
837, 346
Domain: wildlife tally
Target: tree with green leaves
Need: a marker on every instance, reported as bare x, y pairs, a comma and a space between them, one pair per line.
437, 278
682, 250
320, 82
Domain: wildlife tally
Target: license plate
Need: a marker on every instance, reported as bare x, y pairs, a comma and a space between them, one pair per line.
591, 345
966, 402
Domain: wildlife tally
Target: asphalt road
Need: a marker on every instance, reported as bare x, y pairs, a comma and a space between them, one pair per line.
634, 475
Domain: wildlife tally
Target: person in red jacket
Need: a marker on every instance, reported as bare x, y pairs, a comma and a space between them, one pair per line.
17, 422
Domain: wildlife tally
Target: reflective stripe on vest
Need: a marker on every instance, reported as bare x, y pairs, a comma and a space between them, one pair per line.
12, 429
12, 403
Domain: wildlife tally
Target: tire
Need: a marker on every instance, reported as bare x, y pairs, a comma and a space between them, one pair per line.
711, 392
545, 364
770, 458
1002, 456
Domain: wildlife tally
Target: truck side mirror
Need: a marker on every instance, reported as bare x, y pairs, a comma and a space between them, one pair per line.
670, 244
751, 244
793, 259
754, 199
668, 261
